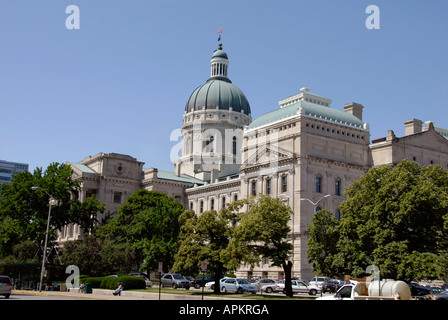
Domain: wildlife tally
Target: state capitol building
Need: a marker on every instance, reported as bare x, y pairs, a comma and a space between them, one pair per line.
305, 153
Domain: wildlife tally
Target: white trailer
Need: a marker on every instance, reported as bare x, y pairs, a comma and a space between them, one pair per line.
387, 289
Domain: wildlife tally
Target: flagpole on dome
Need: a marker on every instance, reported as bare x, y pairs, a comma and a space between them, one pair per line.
219, 38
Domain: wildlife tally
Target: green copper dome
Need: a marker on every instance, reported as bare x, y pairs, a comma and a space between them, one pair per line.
218, 92
220, 53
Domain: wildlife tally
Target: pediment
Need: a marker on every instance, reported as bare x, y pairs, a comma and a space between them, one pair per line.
266, 155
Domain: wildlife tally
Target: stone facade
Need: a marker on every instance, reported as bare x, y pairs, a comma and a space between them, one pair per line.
304, 153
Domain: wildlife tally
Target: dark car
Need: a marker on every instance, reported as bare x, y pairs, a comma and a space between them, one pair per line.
418, 290
331, 286
201, 281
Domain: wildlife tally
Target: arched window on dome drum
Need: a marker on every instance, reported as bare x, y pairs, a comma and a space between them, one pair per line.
209, 144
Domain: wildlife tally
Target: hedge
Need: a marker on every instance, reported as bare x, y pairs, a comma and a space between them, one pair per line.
131, 282
95, 282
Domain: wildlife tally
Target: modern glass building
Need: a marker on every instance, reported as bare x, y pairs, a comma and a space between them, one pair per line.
8, 169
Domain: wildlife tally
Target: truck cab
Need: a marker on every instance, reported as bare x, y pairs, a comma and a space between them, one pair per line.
346, 292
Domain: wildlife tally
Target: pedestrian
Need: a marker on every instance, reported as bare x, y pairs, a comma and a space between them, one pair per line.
81, 288
119, 289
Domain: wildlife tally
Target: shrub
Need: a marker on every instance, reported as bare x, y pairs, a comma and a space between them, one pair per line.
94, 281
130, 282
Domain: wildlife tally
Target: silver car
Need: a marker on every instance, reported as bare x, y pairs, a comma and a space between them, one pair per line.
175, 281
262, 282
5, 286
237, 285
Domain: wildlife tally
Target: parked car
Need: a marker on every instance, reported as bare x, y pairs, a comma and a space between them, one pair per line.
442, 295
237, 285
202, 280
148, 282
299, 287
262, 282
331, 286
418, 290
211, 285
191, 279
436, 289
272, 287
319, 281
5, 286
174, 281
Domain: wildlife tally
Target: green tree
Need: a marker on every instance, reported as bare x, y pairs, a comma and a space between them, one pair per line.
204, 238
262, 232
97, 257
395, 218
323, 237
148, 221
24, 212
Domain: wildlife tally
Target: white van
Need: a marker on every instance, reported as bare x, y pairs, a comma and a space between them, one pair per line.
319, 281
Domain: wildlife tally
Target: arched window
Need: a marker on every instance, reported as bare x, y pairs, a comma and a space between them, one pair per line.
337, 214
209, 144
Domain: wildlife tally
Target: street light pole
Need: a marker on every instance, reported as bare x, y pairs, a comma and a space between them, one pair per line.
314, 211
42, 270
315, 203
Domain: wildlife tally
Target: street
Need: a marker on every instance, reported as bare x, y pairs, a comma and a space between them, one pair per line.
16, 296
126, 295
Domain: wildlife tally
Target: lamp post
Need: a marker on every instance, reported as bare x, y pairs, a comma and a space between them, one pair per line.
315, 203
314, 211
46, 236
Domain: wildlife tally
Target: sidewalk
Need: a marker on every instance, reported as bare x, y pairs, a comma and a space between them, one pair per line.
103, 294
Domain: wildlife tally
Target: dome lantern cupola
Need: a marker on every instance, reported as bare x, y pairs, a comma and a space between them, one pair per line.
219, 64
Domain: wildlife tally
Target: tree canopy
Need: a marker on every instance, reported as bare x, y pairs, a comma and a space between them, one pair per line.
263, 231
395, 218
148, 221
24, 212
97, 257
204, 238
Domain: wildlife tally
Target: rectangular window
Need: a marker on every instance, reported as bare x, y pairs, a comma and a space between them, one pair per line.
201, 206
268, 186
212, 204
223, 202
117, 197
318, 184
254, 188
284, 183
337, 187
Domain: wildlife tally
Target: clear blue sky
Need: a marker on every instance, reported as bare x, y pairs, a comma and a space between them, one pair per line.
120, 82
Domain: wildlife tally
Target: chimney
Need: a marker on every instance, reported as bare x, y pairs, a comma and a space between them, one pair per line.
354, 109
412, 126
